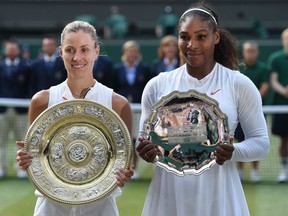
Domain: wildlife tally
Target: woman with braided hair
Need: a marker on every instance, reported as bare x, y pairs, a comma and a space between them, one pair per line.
210, 61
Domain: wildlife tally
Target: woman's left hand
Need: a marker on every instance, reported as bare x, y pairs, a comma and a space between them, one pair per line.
124, 175
224, 152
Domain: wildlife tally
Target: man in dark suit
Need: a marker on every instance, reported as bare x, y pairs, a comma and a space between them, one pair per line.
13, 84
103, 70
48, 70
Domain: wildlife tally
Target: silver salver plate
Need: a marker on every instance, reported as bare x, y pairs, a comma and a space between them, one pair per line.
77, 147
186, 127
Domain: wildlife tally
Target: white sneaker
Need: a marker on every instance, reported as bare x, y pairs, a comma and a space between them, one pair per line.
283, 177
21, 173
241, 175
255, 177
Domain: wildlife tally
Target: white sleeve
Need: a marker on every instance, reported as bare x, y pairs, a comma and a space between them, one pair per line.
149, 96
250, 114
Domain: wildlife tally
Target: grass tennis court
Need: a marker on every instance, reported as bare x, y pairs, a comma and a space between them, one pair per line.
266, 199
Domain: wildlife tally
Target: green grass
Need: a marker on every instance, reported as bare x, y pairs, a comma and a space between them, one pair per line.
133, 198
266, 199
17, 197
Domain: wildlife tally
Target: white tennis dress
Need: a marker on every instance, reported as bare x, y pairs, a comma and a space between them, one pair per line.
105, 207
218, 191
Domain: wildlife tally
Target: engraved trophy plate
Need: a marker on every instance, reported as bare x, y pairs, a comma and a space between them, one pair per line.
186, 127
77, 146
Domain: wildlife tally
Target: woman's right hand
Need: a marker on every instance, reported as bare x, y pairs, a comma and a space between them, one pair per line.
147, 150
24, 158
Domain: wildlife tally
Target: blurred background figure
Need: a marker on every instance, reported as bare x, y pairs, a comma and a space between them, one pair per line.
259, 29
130, 77
1, 52
278, 62
87, 18
48, 70
116, 25
168, 55
26, 54
103, 70
13, 121
259, 74
167, 23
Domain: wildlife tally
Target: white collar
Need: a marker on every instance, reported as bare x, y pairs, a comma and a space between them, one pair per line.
8, 61
166, 61
49, 58
134, 65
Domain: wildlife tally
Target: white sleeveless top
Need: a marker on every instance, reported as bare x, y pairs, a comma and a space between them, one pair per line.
100, 94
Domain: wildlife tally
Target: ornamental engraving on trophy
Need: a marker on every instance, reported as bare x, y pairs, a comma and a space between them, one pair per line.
78, 152
37, 137
64, 111
77, 174
77, 146
57, 153
60, 191
94, 111
80, 132
100, 154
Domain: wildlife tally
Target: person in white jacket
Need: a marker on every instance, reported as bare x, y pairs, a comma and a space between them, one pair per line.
211, 60
79, 49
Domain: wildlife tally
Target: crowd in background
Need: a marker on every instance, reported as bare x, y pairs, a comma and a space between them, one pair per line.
117, 26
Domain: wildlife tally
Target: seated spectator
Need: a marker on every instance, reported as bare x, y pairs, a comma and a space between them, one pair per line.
167, 23
260, 30
87, 18
116, 25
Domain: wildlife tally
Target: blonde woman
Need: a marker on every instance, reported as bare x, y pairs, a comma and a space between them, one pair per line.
131, 75
79, 49
168, 55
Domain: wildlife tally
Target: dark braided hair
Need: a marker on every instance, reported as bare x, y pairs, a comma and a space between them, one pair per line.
225, 51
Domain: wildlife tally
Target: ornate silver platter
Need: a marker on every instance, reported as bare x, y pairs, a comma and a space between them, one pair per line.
186, 127
77, 146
